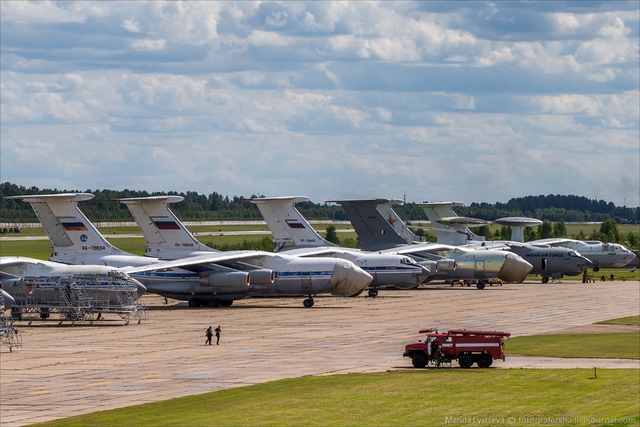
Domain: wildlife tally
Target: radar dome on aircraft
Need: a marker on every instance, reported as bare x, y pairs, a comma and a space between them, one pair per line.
517, 224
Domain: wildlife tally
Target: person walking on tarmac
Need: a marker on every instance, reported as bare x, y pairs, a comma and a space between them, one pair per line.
209, 335
218, 331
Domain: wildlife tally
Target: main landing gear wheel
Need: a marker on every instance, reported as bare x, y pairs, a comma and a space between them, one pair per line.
373, 293
545, 279
308, 302
480, 284
195, 302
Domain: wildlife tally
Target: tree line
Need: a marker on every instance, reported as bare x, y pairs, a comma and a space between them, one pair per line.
217, 207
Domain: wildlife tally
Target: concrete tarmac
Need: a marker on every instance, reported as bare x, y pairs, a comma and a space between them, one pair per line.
66, 370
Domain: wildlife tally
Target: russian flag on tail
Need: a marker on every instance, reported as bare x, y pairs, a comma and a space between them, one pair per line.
293, 223
167, 225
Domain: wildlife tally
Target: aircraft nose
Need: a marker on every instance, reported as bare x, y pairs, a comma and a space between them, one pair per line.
514, 268
140, 288
6, 300
424, 274
348, 279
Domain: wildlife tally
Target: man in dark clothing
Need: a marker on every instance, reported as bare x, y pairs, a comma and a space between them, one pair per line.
209, 336
218, 330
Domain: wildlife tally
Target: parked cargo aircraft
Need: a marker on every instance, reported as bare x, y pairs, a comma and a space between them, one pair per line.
213, 278
547, 261
601, 254
167, 238
6, 301
288, 225
76, 292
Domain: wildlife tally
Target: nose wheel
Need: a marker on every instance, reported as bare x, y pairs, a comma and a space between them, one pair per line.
308, 303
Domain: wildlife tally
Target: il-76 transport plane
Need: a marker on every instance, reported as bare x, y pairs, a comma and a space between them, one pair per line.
287, 224
547, 261
167, 238
76, 292
212, 278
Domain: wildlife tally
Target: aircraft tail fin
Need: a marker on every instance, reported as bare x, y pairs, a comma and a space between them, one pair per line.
374, 230
451, 229
70, 231
161, 229
286, 223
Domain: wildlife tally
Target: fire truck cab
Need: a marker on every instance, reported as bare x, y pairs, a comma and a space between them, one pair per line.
468, 347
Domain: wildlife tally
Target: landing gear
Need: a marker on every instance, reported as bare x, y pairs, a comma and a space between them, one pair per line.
545, 279
480, 284
308, 303
373, 293
195, 302
596, 269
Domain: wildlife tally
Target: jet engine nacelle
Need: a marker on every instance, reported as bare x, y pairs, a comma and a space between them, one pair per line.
261, 277
225, 279
447, 265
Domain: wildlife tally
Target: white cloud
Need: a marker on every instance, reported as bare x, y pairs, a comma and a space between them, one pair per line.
326, 99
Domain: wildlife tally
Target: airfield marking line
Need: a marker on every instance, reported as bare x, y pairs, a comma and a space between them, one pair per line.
99, 384
35, 393
314, 351
238, 362
376, 341
348, 345
144, 377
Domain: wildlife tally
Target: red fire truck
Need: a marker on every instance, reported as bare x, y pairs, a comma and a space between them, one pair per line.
468, 347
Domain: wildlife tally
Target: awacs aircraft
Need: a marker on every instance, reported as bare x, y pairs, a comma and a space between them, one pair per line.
212, 278
167, 238
41, 287
376, 231
293, 234
547, 261
600, 254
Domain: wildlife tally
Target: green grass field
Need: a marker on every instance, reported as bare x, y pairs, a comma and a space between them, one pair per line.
615, 345
631, 320
402, 398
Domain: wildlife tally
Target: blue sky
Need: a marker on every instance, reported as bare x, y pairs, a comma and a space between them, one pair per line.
470, 101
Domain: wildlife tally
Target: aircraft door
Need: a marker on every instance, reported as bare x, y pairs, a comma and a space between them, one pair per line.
543, 264
306, 280
479, 268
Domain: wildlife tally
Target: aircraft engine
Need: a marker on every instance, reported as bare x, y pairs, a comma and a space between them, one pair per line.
447, 265
225, 279
261, 277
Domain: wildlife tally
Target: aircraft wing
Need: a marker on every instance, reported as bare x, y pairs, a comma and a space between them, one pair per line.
197, 261
314, 251
552, 241
432, 248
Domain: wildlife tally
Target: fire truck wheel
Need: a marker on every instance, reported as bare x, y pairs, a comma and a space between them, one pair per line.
419, 360
485, 360
465, 361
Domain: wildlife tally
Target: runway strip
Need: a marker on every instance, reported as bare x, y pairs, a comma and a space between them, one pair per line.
70, 370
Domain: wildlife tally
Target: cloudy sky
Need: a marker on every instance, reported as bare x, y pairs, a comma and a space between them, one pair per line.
470, 101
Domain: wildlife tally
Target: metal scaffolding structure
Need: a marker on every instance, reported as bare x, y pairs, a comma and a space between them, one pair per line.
9, 335
79, 298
